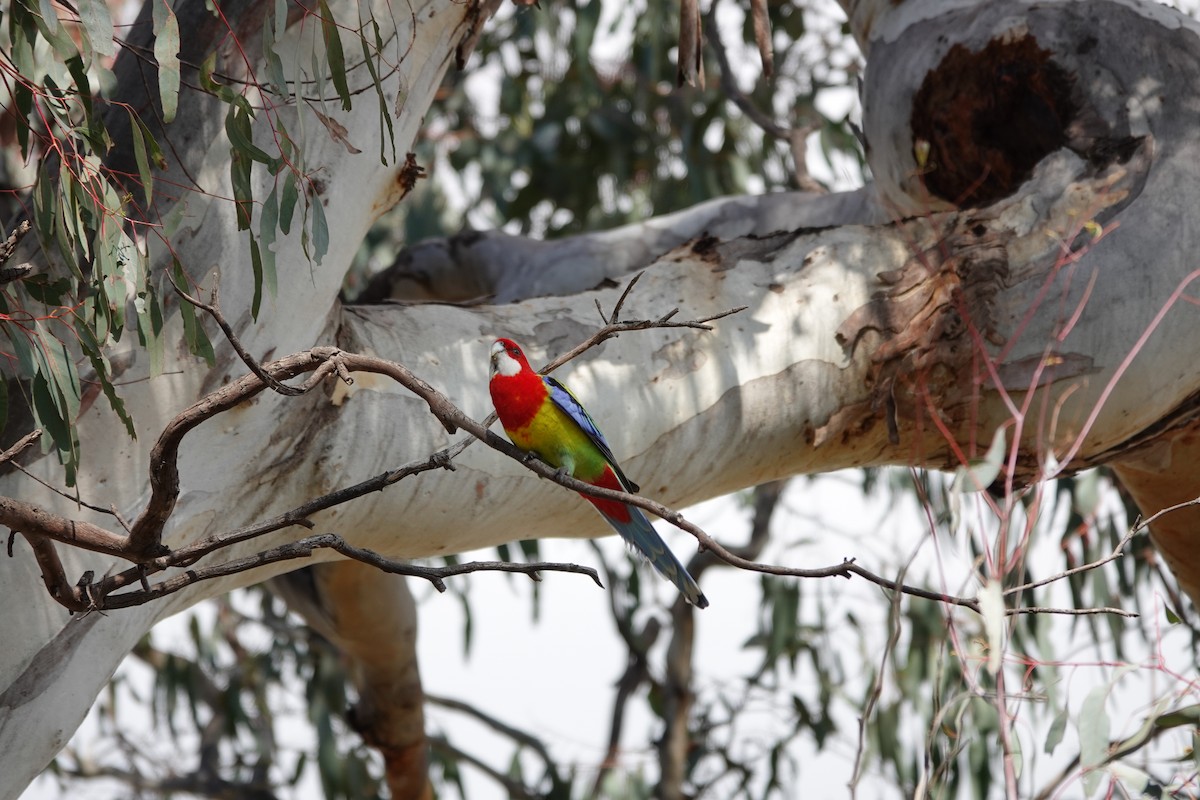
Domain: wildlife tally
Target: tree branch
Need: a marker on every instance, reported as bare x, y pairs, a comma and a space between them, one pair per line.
305, 547
214, 310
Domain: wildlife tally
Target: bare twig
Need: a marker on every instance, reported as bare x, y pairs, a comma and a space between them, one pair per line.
877, 686
1119, 749
74, 498
843, 570
18, 515
1117, 551
613, 329
143, 543
20, 445
146, 531
1114, 555
214, 310
304, 548
733, 92
1141, 524
500, 726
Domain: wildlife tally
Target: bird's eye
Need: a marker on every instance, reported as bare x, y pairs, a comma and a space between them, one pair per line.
514, 350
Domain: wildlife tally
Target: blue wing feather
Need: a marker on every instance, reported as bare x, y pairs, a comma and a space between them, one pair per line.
561, 396
636, 530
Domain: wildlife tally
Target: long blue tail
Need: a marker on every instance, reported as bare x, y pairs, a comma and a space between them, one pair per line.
640, 534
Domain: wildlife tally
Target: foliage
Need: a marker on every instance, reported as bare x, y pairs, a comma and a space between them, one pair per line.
567, 106
93, 223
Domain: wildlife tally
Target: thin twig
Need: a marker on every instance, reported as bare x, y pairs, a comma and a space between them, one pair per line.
143, 543
304, 548
1113, 556
145, 538
20, 445
519, 736
74, 498
615, 317
1117, 552
732, 91
877, 686
612, 329
190, 554
214, 310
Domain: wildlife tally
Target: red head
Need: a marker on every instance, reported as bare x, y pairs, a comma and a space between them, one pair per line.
508, 359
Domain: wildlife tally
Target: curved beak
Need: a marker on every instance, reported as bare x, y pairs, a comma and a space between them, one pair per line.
497, 351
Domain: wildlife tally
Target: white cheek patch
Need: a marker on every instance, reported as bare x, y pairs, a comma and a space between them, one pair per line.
506, 365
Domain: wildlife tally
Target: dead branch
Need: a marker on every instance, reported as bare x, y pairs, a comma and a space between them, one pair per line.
145, 540
20, 446
304, 548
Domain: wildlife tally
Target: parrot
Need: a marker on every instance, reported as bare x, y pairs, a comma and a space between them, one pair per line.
543, 418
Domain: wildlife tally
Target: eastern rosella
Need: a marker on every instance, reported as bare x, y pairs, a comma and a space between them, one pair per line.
541, 417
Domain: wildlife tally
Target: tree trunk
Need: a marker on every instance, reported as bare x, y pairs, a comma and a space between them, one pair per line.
907, 335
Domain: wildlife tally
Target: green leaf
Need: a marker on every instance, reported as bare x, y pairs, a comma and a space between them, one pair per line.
1094, 731
45, 205
52, 30
193, 331
257, 267
268, 223
142, 158
334, 56
23, 102
320, 229
149, 326
166, 53
21, 349
94, 130
1055, 734
240, 131
385, 115
274, 65
47, 414
1132, 779
243, 196
1188, 715
61, 373
98, 25
287, 202
104, 375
